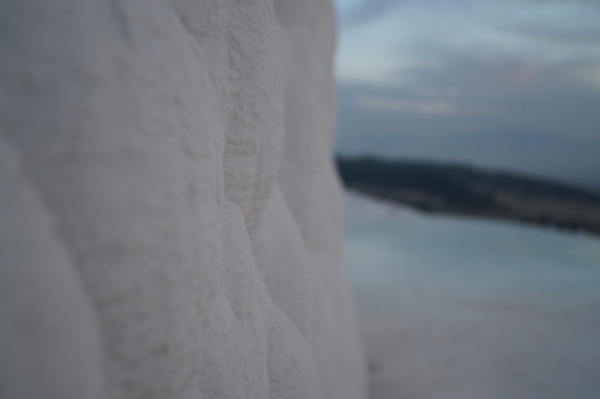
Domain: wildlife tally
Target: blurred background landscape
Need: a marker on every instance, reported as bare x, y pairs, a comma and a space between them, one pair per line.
469, 138
503, 84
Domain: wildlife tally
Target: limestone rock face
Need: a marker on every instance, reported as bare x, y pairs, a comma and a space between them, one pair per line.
170, 222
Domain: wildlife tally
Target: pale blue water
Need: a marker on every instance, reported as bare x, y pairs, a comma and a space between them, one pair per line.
459, 308
395, 255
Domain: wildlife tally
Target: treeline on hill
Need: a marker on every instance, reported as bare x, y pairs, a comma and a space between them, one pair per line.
462, 189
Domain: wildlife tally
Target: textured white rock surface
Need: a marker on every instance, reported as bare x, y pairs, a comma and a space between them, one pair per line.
171, 222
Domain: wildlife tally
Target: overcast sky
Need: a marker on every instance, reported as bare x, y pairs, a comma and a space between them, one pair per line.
508, 84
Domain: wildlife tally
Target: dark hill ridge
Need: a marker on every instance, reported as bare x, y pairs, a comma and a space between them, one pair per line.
466, 190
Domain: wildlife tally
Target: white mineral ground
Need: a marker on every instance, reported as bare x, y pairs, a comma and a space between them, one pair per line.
170, 222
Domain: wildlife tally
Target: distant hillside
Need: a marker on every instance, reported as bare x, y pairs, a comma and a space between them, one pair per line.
466, 190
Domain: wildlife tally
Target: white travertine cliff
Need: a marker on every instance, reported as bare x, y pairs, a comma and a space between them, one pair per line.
170, 220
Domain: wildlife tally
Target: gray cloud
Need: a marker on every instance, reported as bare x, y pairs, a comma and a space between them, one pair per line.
546, 127
561, 1
367, 11
590, 36
521, 108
